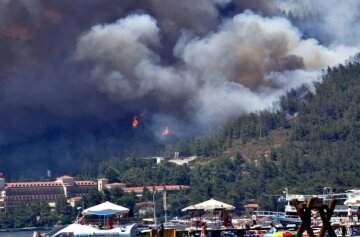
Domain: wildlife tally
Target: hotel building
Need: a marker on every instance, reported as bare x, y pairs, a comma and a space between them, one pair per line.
19, 194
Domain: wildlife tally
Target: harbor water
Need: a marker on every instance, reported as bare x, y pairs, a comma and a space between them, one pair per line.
17, 234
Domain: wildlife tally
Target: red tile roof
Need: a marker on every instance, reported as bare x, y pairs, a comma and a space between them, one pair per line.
75, 198
133, 189
117, 184
47, 184
156, 187
251, 205
65, 177
144, 203
32, 184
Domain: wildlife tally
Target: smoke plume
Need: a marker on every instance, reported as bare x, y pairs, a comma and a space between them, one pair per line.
189, 65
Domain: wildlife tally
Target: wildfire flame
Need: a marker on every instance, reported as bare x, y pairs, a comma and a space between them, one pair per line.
165, 132
135, 122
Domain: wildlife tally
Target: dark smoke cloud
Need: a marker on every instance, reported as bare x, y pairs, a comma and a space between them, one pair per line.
189, 65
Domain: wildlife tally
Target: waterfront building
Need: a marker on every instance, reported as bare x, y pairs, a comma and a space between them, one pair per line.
21, 193
17, 194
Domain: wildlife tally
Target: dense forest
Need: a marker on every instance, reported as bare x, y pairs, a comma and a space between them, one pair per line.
310, 142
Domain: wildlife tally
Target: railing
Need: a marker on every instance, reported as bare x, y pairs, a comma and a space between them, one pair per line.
268, 213
325, 197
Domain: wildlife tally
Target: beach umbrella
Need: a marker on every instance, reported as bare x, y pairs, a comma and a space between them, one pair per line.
354, 201
148, 219
105, 209
209, 205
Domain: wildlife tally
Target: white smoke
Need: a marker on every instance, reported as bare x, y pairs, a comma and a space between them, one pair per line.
243, 66
85, 67
117, 49
331, 21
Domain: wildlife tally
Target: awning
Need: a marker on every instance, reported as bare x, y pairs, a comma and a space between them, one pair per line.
104, 209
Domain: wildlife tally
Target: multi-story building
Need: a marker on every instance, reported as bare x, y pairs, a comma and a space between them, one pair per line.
155, 188
19, 194
22, 193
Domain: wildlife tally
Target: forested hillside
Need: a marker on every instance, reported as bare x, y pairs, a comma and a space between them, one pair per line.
321, 145
311, 142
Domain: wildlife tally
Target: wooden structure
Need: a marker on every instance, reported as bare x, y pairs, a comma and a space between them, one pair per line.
304, 211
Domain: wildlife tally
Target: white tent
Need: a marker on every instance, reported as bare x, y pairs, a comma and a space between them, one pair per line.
209, 205
104, 209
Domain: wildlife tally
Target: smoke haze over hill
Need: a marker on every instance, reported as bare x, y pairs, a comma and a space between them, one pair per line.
190, 65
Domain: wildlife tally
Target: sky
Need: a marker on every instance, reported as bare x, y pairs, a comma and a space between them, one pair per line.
186, 65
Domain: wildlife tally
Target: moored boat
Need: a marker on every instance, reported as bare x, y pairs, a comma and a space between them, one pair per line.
350, 198
105, 226
79, 230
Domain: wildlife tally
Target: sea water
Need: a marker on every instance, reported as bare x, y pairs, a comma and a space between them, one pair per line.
17, 234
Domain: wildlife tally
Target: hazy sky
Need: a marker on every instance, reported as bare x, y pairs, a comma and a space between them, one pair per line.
189, 65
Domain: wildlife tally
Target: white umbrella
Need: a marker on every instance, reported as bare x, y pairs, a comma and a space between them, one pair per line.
209, 205
191, 208
104, 209
354, 201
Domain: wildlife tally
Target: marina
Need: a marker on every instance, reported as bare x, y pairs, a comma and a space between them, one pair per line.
220, 224
228, 232
344, 201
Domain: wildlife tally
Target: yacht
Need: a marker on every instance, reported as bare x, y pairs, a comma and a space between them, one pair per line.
344, 200
78, 230
105, 226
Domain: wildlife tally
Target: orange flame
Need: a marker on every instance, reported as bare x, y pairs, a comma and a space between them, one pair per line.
135, 122
165, 132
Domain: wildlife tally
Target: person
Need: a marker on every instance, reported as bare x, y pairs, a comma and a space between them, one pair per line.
111, 223
247, 227
81, 221
253, 218
203, 230
350, 215
227, 220
358, 214
272, 229
315, 215
342, 227
36, 234
161, 230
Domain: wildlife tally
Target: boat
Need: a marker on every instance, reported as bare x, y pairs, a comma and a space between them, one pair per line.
78, 230
104, 212
344, 200
177, 224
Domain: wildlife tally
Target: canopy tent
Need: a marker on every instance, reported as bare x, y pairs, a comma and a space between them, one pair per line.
209, 205
354, 201
105, 209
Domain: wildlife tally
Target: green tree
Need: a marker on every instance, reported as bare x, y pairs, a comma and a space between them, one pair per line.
63, 211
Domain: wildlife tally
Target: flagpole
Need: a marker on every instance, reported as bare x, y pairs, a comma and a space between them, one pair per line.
154, 207
164, 203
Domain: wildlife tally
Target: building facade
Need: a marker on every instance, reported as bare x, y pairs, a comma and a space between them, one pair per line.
22, 193
14, 195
